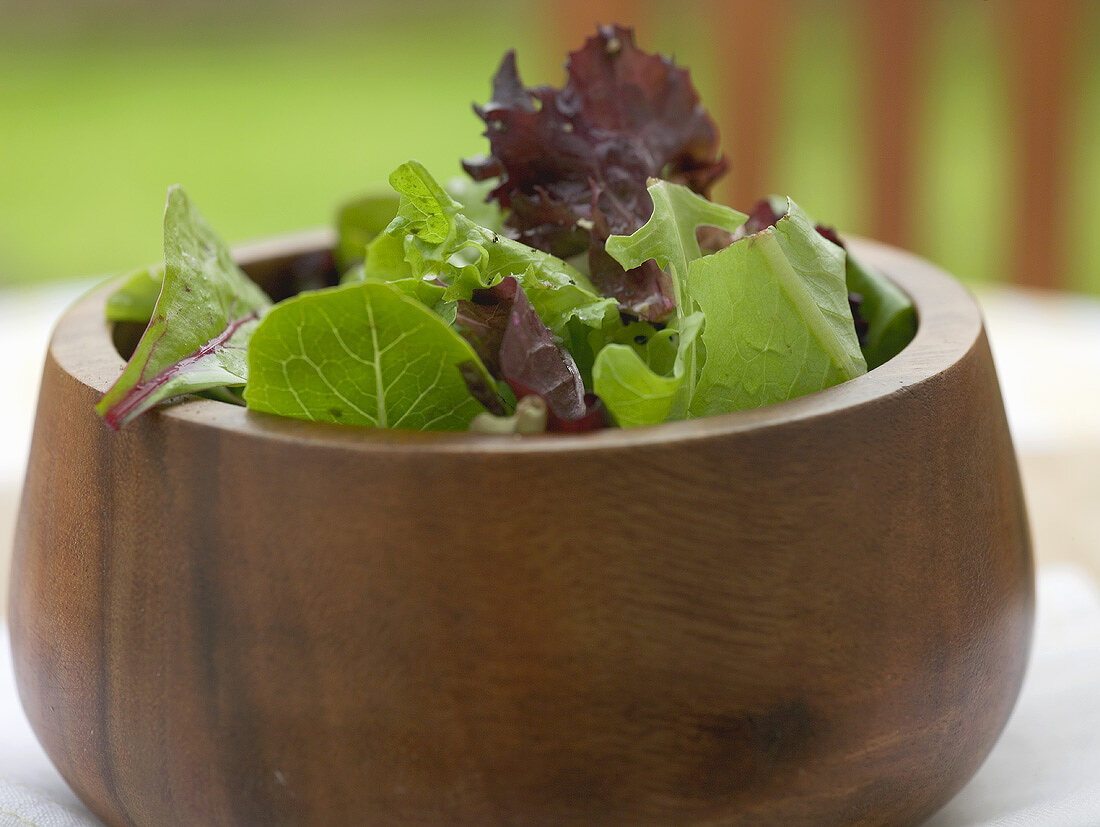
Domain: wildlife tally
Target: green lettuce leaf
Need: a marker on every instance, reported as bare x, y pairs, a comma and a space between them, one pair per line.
361, 225
639, 386
429, 294
426, 210
135, 300
385, 260
889, 313
440, 242
668, 237
358, 222
361, 354
198, 334
778, 322
640, 383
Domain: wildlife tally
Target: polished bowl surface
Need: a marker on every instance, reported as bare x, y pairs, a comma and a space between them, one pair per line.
813, 613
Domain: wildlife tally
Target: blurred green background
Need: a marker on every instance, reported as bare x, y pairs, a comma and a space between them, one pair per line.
272, 113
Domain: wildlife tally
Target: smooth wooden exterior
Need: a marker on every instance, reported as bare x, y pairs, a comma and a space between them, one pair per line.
816, 613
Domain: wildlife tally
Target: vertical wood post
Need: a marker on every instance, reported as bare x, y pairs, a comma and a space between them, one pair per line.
751, 38
893, 78
1040, 56
576, 20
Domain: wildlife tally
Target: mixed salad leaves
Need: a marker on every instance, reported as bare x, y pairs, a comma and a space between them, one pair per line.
580, 278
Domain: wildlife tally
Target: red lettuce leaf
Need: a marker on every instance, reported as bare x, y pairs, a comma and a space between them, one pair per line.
531, 363
764, 214
595, 417
516, 345
481, 389
574, 162
483, 319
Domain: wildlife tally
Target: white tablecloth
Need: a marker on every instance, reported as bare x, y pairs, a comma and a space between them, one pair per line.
1044, 772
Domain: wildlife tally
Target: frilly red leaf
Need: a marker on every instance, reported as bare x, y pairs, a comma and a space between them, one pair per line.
574, 162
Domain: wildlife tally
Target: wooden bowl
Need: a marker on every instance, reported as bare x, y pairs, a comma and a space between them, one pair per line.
813, 613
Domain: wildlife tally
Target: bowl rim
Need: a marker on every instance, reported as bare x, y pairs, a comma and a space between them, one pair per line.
949, 323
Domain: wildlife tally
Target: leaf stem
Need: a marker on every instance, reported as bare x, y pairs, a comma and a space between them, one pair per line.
140, 397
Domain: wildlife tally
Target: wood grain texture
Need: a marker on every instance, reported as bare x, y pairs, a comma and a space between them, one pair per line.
815, 613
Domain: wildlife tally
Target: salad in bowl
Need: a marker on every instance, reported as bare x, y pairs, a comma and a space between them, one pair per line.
578, 278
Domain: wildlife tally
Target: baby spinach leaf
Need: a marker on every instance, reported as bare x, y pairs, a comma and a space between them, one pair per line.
430, 294
135, 299
636, 389
890, 316
198, 334
362, 354
778, 320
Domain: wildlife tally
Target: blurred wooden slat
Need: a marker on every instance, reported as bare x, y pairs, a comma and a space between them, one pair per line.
893, 72
1040, 55
751, 55
1041, 43
575, 20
